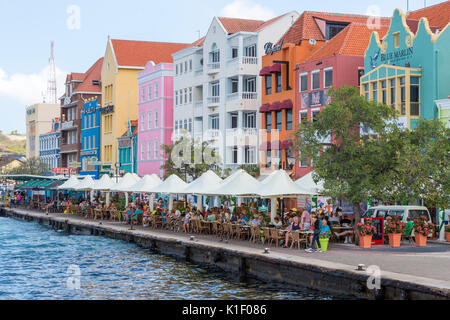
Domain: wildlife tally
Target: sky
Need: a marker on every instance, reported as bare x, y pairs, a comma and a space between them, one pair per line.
80, 29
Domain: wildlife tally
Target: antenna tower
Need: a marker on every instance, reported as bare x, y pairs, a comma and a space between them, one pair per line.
51, 84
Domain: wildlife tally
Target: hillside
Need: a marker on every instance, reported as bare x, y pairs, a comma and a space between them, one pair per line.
12, 144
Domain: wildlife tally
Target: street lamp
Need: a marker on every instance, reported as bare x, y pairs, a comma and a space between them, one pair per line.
117, 165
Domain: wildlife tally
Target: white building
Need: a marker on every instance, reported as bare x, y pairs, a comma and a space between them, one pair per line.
216, 89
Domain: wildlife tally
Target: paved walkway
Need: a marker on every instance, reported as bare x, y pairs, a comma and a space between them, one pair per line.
429, 264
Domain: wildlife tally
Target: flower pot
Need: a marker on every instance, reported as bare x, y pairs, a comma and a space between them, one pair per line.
447, 236
421, 240
324, 244
365, 242
394, 240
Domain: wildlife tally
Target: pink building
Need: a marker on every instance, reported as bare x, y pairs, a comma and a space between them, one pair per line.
155, 112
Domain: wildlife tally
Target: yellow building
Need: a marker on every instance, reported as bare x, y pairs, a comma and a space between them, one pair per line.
123, 60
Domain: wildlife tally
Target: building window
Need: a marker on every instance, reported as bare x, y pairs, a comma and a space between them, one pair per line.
397, 39
314, 115
176, 68
234, 155
289, 119
215, 89
278, 81
269, 84
249, 155
149, 120
185, 126
402, 96
302, 161
269, 121
190, 94
333, 28
375, 91
214, 122
156, 148
186, 95
234, 85
190, 65
149, 92
181, 96
328, 78
303, 82
315, 79
393, 93
143, 94
190, 125
234, 53
268, 159
383, 92
250, 120
142, 151
176, 97
143, 121
156, 90
149, 149
250, 51
414, 97
279, 120
156, 119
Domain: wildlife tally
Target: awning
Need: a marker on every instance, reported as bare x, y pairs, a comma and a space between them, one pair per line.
286, 144
265, 71
287, 104
264, 108
275, 68
275, 106
265, 146
276, 145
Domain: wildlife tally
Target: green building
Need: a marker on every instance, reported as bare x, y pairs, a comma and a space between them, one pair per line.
127, 145
408, 71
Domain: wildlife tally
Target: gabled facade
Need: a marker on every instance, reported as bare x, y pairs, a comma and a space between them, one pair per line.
409, 71
155, 111
217, 92
90, 138
79, 88
127, 145
123, 60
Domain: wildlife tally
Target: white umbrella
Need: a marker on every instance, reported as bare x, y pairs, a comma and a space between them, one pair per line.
240, 184
204, 184
307, 183
279, 185
127, 181
173, 185
147, 183
73, 181
85, 185
105, 183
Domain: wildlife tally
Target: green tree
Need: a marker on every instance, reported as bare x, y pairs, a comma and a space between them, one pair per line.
200, 158
32, 166
353, 167
252, 169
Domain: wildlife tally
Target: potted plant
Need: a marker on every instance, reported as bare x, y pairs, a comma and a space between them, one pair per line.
394, 229
421, 231
324, 238
365, 232
447, 233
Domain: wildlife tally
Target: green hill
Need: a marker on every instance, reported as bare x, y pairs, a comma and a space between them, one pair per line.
9, 145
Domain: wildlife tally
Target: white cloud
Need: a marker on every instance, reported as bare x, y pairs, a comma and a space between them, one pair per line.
29, 88
247, 9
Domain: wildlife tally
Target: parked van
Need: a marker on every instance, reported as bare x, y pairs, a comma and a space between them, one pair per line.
412, 212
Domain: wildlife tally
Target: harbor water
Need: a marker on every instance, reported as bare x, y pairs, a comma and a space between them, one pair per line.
38, 263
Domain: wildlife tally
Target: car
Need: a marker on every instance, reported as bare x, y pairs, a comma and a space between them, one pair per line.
412, 212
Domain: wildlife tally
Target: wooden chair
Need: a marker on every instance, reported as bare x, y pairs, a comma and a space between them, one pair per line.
157, 221
298, 238
203, 227
114, 215
275, 236
255, 233
241, 233
266, 235
216, 228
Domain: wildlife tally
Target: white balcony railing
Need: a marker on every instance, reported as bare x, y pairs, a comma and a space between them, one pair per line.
213, 100
67, 125
242, 96
242, 132
233, 96
213, 65
249, 60
212, 134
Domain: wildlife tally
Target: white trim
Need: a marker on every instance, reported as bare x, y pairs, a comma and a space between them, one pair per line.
300, 82
324, 70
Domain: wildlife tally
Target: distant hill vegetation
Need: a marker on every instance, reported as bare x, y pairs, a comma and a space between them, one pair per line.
14, 143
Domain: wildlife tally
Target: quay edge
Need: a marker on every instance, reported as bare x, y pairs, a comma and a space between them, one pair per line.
336, 279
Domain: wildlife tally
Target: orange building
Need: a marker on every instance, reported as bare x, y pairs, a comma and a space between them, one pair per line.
279, 82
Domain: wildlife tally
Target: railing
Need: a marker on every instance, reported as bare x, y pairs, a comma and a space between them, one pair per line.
213, 100
214, 65
233, 96
249, 60
242, 132
242, 96
67, 125
212, 134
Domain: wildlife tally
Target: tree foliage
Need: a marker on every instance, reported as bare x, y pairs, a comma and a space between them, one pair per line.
32, 166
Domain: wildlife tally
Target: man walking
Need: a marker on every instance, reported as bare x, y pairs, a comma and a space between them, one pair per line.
316, 223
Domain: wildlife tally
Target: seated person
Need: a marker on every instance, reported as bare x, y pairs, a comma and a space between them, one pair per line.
137, 212
277, 224
242, 219
335, 218
325, 228
348, 234
294, 226
211, 216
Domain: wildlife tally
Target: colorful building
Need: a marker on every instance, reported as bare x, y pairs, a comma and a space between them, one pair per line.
216, 85
90, 138
281, 95
443, 106
155, 111
408, 69
127, 145
123, 60
49, 146
79, 88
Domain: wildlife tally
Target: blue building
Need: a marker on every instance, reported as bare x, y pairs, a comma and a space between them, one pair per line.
90, 138
49, 146
128, 148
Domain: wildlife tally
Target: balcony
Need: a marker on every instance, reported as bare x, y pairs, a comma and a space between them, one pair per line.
244, 65
242, 96
242, 137
213, 101
249, 60
212, 134
242, 101
213, 67
68, 125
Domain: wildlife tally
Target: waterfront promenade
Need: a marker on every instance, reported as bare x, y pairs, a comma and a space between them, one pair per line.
407, 268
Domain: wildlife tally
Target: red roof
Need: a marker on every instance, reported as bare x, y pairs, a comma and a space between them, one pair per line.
134, 123
438, 15
352, 41
234, 25
94, 73
311, 25
130, 53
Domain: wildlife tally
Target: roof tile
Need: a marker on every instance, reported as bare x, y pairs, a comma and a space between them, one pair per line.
438, 15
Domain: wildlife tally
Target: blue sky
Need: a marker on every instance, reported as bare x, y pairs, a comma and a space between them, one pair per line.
27, 27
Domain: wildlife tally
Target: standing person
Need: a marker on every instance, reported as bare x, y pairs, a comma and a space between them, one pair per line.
186, 221
315, 240
305, 220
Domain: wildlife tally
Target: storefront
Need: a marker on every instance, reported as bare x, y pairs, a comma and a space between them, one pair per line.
90, 139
